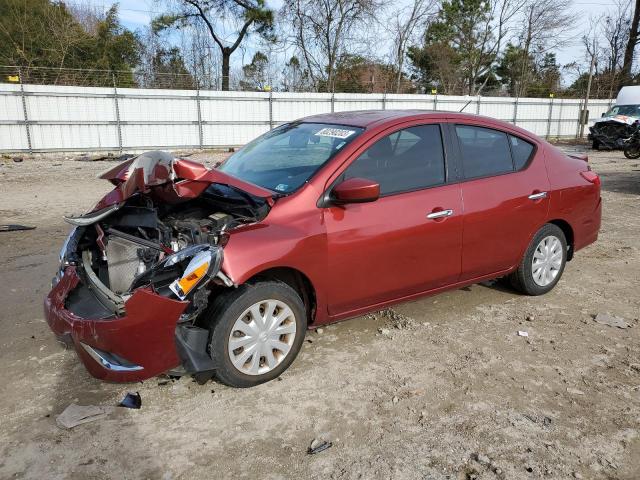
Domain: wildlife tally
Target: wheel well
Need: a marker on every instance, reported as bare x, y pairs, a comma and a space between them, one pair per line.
568, 233
296, 280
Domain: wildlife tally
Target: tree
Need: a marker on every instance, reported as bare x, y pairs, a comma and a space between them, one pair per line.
295, 78
465, 40
403, 27
632, 42
542, 28
245, 16
39, 33
255, 74
321, 31
169, 71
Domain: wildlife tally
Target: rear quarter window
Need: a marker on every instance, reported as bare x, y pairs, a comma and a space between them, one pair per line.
521, 151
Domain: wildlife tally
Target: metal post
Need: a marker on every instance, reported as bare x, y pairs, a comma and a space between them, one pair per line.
478, 106
384, 101
559, 119
583, 113
200, 135
24, 111
270, 110
549, 119
515, 111
115, 102
435, 102
333, 101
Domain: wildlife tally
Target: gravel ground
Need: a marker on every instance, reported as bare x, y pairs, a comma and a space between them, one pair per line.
438, 388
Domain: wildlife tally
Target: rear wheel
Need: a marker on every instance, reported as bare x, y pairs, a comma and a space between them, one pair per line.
595, 145
632, 151
256, 332
543, 262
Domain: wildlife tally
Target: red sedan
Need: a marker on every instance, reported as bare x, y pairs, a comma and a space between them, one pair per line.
205, 272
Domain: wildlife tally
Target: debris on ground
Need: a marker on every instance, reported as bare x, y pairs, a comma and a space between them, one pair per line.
384, 331
319, 331
318, 445
85, 157
574, 391
131, 400
611, 320
15, 228
395, 400
522, 333
17, 159
75, 415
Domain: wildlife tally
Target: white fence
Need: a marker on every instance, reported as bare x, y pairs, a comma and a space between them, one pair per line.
44, 118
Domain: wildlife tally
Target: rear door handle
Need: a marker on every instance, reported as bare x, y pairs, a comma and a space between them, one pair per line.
440, 214
538, 196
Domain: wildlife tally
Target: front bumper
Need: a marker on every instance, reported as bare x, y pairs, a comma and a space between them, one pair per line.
135, 346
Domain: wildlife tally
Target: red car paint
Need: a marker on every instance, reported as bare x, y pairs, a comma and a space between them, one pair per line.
362, 256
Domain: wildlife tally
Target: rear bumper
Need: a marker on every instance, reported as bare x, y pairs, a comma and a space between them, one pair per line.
136, 346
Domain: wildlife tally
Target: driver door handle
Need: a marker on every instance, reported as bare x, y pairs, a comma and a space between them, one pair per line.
538, 196
440, 214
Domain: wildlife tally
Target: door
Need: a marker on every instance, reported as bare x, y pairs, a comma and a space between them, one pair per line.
505, 194
407, 241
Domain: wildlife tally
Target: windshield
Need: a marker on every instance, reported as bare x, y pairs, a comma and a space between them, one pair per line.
630, 110
286, 157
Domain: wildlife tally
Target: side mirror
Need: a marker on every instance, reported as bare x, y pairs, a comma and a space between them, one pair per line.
356, 190
603, 114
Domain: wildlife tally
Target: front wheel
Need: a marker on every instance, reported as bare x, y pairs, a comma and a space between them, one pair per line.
632, 151
256, 332
543, 262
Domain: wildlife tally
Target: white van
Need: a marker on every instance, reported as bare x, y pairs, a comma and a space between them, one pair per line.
617, 124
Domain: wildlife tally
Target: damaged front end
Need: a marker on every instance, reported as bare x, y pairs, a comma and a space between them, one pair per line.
137, 273
610, 133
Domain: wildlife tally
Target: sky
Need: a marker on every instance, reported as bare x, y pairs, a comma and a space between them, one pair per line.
135, 14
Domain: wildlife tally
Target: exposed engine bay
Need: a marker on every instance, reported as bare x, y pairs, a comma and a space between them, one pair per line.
163, 228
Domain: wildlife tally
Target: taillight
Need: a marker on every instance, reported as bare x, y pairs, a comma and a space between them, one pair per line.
591, 176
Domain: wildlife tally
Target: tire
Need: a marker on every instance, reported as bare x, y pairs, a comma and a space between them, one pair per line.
632, 151
595, 145
239, 305
524, 280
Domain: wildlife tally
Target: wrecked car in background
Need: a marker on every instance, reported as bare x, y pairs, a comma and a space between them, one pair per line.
619, 123
188, 270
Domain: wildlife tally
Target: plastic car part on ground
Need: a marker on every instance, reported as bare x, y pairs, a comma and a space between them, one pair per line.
75, 415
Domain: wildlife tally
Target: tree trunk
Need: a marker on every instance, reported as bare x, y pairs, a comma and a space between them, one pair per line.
625, 74
226, 57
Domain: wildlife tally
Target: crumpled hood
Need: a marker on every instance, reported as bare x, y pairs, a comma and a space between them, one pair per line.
624, 119
154, 169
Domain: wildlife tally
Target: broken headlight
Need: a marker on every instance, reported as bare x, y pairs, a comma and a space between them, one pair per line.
183, 272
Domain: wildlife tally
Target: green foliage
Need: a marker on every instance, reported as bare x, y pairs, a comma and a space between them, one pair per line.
40, 33
255, 74
455, 56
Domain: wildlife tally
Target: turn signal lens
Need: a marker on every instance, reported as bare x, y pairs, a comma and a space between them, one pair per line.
591, 177
197, 270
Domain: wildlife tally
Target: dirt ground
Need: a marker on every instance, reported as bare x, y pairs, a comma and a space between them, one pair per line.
441, 388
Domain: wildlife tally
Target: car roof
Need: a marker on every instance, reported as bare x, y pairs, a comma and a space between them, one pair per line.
370, 118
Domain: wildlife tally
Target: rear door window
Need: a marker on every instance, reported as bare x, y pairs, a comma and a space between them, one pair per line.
485, 152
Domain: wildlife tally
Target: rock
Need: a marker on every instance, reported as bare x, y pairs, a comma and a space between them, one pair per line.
611, 320
17, 159
319, 331
577, 475
384, 331
483, 459
530, 318
395, 400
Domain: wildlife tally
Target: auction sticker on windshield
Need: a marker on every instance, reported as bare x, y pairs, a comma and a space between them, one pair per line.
335, 133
